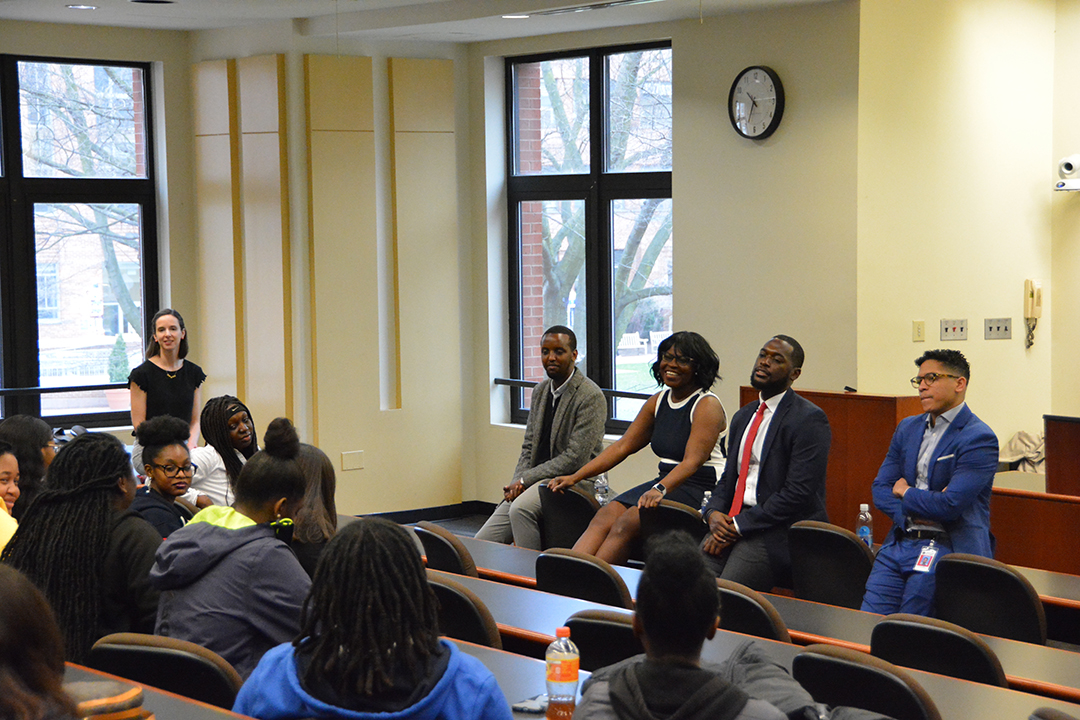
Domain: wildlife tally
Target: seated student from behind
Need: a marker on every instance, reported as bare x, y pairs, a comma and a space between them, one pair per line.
369, 647
677, 610
31, 653
168, 465
227, 582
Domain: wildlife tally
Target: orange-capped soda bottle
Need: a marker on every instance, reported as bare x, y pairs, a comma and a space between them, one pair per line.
563, 661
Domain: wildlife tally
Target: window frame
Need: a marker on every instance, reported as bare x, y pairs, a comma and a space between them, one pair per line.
598, 188
19, 365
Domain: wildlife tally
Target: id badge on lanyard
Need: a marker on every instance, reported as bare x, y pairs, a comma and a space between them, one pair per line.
926, 558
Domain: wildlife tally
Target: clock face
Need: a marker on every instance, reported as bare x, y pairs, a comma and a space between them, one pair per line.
756, 102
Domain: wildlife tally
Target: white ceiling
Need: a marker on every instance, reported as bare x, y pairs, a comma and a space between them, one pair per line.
433, 20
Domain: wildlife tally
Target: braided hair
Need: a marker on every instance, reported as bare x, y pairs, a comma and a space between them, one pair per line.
370, 615
214, 423
63, 536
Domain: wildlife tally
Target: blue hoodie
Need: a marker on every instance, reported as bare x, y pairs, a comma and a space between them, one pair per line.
229, 585
466, 691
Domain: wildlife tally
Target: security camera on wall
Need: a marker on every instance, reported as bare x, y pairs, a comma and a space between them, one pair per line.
1069, 172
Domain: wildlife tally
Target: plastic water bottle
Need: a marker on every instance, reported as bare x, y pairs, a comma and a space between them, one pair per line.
705, 502
603, 490
864, 526
563, 661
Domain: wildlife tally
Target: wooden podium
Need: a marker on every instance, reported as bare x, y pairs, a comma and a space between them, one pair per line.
862, 426
1062, 454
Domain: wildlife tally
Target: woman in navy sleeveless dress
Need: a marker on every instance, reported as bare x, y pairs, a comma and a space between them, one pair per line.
684, 423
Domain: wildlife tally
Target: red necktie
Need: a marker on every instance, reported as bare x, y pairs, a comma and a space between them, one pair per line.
744, 464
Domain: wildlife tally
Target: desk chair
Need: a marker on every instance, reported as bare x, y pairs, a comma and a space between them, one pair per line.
839, 676
671, 515
463, 615
936, 646
576, 574
988, 597
444, 550
604, 637
564, 516
177, 666
829, 564
746, 611
1046, 713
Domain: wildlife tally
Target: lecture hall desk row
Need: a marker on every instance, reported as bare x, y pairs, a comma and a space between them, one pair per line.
1044, 670
1059, 592
521, 677
533, 615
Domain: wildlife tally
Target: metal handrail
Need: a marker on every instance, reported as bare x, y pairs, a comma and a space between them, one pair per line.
5, 392
526, 384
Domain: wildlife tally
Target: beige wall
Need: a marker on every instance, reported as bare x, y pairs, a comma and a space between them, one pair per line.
956, 109
764, 232
907, 182
1065, 218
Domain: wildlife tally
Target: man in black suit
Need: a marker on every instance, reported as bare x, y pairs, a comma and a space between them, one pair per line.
774, 476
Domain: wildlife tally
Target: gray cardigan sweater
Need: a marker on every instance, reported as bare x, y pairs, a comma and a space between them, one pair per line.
576, 430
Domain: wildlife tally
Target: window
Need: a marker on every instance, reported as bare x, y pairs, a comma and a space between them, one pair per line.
589, 191
77, 224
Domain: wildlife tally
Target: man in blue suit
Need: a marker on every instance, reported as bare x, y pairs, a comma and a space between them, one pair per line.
935, 485
774, 475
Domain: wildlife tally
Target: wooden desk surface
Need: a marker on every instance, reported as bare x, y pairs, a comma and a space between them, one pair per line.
519, 677
164, 705
522, 612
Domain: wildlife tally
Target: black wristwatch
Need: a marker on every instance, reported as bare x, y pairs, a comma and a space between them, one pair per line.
659, 487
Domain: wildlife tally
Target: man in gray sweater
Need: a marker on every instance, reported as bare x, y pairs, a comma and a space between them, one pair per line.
564, 431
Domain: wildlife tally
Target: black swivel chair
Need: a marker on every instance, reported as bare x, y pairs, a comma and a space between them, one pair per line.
577, 574
463, 615
1045, 713
444, 550
829, 564
839, 676
936, 646
671, 515
746, 611
604, 637
565, 515
988, 597
177, 666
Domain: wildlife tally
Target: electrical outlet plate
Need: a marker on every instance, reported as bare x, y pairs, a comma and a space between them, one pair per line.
918, 331
352, 460
997, 329
954, 329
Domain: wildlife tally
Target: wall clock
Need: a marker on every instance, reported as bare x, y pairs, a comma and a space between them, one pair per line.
756, 102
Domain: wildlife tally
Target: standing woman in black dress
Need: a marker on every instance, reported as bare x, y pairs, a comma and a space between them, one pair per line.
166, 384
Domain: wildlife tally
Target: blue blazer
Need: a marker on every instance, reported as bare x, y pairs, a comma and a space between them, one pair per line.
961, 476
791, 478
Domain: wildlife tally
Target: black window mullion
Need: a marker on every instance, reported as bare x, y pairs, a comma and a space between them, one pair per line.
20, 296
18, 256
599, 189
